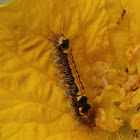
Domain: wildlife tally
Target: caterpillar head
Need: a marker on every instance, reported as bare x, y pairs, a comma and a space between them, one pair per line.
60, 41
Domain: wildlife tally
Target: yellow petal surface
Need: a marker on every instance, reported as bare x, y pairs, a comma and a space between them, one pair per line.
32, 104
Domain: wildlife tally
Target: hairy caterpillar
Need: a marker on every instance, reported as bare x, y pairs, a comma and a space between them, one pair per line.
71, 79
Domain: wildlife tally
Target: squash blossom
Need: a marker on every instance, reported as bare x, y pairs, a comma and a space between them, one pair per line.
105, 40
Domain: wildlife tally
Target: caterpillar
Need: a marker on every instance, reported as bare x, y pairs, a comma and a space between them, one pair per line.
71, 79
121, 18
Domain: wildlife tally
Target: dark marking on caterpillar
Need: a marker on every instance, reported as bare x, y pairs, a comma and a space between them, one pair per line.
121, 18
71, 79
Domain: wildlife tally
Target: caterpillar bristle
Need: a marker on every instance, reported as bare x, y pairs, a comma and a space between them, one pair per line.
65, 93
69, 106
76, 122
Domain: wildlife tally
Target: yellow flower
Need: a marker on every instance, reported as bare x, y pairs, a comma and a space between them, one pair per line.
105, 38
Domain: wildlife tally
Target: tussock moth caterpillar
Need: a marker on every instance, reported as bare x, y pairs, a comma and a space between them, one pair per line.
71, 79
